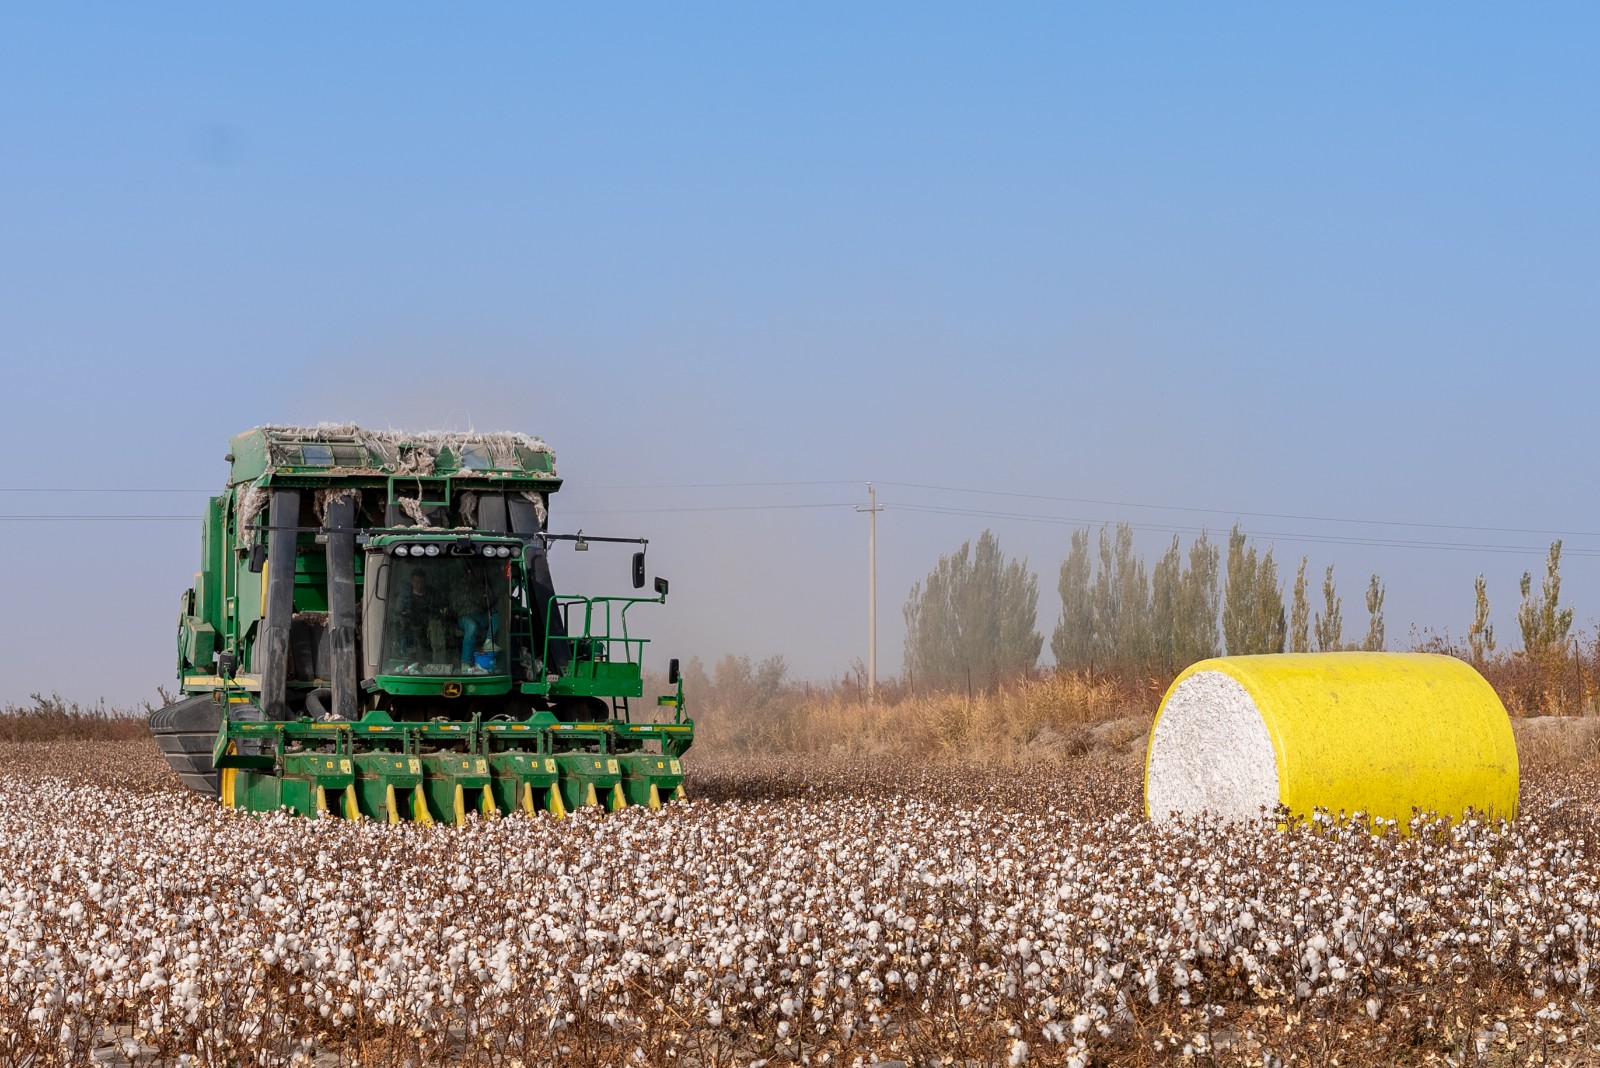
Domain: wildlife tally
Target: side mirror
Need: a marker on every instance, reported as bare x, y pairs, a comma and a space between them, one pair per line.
638, 571
661, 586
673, 674
258, 557
227, 664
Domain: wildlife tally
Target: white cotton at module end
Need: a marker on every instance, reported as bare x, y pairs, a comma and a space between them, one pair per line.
1211, 753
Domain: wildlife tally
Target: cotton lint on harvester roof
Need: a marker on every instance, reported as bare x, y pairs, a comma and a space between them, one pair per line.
339, 450
1379, 733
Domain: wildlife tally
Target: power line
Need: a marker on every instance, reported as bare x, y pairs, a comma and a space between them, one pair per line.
716, 485
981, 513
564, 511
81, 489
705, 508
567, 490
573, 490
1233, 512
97, 518
975, 513
1121, 504
1315, 539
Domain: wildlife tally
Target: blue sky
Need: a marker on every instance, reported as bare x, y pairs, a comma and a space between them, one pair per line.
1205, 261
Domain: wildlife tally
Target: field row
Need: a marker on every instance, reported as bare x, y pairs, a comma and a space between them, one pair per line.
799, 912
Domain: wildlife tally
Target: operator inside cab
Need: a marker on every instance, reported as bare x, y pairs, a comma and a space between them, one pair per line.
449, 617
476, 619
421, 616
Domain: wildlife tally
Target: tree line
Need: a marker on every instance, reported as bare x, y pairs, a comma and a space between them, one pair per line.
972, 621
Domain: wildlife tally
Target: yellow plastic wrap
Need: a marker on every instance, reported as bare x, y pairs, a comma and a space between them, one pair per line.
1380, 733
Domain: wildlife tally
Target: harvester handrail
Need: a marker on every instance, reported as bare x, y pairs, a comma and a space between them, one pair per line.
563, 601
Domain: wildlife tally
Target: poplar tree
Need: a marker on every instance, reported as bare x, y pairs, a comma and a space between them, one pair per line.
1072, 642
1542, 620
1235, 610
1300, 614
972, 621
1121, 601
1166, 606
1330, 622
1116, 613
1195, 635
1480, 636
1252, 611
1133, 644
1375, 591
1106, 607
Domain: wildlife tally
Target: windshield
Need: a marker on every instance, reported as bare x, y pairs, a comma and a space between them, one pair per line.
447, 615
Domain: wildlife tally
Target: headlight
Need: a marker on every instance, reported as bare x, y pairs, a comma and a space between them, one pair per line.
502, 551
401, 550
431, 550
488, 550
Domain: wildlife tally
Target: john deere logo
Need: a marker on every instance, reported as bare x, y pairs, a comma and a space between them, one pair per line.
451, 689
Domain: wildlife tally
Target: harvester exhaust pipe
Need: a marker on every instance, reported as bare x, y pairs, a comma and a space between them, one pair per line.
282, 519
340, 523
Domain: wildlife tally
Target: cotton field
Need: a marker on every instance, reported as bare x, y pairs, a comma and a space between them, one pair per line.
794, 913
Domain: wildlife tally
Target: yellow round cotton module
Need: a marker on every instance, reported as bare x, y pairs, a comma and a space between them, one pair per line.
1379, 733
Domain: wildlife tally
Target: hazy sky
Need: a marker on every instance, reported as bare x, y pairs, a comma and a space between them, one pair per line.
1329, 270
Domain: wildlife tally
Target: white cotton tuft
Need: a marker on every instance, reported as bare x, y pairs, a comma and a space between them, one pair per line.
1211, 753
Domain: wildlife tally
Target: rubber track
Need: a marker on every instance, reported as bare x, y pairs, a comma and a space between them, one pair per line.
186, 730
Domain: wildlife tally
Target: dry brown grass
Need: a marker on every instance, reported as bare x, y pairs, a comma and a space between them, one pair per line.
1034, 723
52, 718
1074, 713
1558, 683
1557, 743
1018, 723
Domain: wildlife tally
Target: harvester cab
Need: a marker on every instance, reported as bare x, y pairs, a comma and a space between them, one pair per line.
437, 612
374, 631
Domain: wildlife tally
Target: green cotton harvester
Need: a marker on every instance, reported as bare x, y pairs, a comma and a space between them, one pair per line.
374, 632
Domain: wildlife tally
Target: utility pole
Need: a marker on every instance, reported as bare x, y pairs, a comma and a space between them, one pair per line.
872, 509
